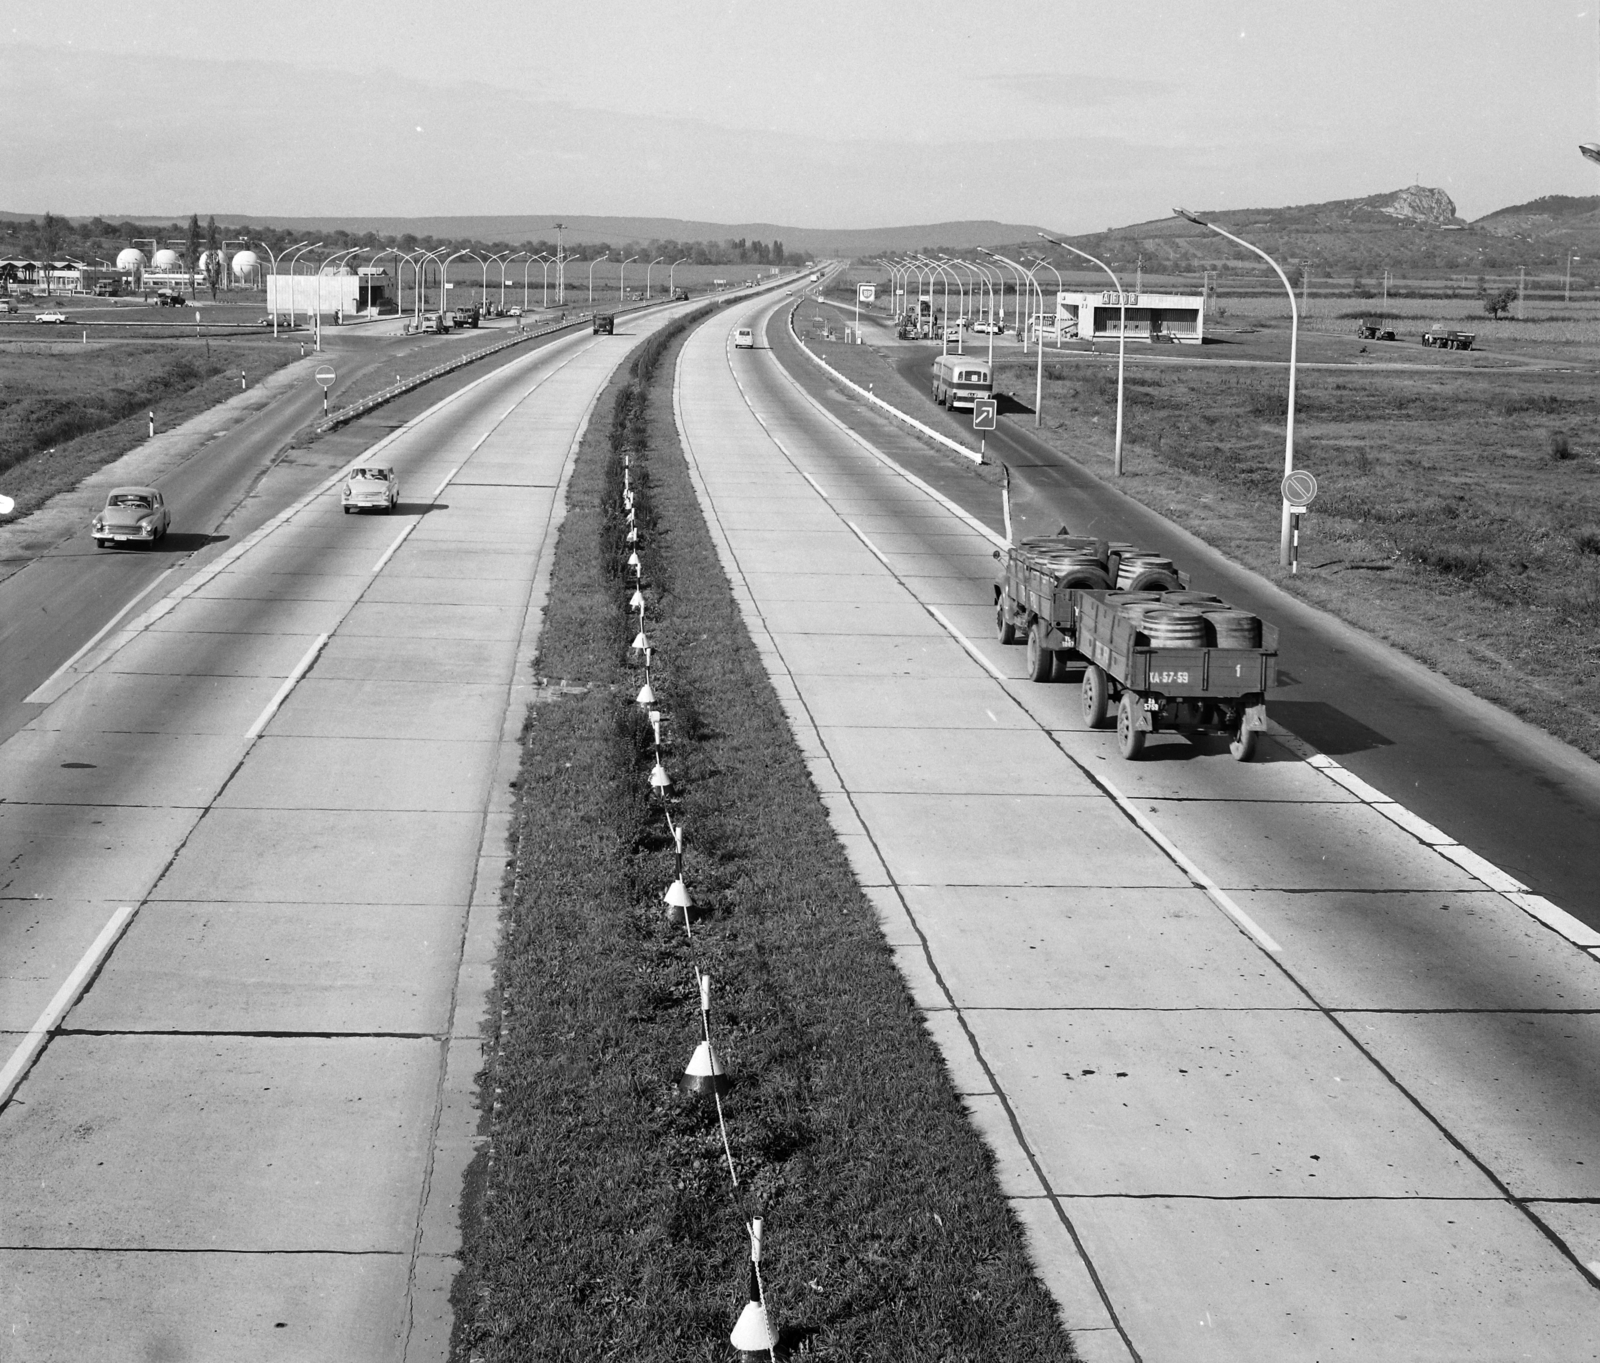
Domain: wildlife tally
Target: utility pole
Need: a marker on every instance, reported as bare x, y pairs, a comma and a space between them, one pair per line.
561, 270
1566, 296
1522, 284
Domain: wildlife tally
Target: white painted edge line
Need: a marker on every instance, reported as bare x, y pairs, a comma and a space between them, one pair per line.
442, 486
814, 483
1216, 893
289, 683
44, 693
1557, 919
28, 1049
872, 548
389, 553
967, 644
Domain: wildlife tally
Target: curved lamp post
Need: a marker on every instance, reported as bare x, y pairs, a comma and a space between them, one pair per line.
1122, 338
672, 274
503, 265
294, 259
622, 281
592, 264
444, 275
1017, 272
274, 259
1022, 326
1294, 349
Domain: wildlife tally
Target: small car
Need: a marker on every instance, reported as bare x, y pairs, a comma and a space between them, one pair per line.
744, 339
132, 515
51, 317
513, 311
370, 487
988, 328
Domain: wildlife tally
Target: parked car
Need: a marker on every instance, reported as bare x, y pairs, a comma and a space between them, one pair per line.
988, 328
50, 317
371, 487
513, 311
744, 339
132, 515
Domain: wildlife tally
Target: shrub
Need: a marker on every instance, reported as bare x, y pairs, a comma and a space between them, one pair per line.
1586, 541
1560, 446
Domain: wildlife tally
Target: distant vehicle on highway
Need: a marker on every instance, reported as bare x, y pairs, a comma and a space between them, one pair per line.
132, 515
1374, 329
1447, 338
514, 311
959, 380
8, 304
682, 295
744, 339
988, 328
436, 323
605, 324
50, 317
168, 298
371, 487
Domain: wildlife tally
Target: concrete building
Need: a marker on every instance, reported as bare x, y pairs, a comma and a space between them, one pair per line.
1151, 316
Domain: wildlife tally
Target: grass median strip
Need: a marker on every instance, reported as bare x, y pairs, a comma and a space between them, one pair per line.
601, 1222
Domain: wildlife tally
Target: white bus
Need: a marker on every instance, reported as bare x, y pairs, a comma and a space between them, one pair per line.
960, 379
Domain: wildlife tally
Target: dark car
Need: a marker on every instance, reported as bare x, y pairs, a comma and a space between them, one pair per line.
605, 324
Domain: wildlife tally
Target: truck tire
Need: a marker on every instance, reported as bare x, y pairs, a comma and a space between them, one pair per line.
1004, 630
1041, 660
1130, 740
1096, 696
1153, 580
1242, 746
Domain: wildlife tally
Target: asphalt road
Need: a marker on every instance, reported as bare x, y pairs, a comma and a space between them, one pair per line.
1527, 803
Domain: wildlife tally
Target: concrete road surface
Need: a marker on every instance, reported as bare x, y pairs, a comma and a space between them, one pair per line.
1271, 1069
253, 844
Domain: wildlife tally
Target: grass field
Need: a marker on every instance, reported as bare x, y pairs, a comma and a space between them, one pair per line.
64, 415
1459, 516
605, 1225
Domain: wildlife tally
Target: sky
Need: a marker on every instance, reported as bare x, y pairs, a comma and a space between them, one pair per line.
1071, 114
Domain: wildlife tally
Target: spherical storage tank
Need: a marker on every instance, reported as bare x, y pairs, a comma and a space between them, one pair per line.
203, 265
245, 263
166, 260
130, 258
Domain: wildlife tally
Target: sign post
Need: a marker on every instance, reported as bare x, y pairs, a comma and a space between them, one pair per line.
325, 377
865, 293
1299, 490
985, 414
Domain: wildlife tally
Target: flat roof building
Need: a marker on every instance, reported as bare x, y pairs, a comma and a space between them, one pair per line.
1151, 316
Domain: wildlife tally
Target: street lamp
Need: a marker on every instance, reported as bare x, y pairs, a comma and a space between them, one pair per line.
1022, 325
561, 272
1566, 293
274, 259
647, 270
503, 265
1016, 271
672, 274
592, 264
1294, 350
444, 276
1122, 338
622, 280
293, 261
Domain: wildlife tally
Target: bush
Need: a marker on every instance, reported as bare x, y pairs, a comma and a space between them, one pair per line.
1586, 541
1560, 446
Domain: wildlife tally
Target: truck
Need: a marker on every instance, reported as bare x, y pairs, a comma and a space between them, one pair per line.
1166, 658
1374, 329
1447, 338
605, 324
466, 316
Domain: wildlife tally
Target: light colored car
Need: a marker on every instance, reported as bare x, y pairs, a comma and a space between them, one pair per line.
744, 339
513, 311
132, 515
50, 317
988, 328
370, 487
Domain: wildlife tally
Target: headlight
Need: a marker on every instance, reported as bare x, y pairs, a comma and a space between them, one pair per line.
99, 524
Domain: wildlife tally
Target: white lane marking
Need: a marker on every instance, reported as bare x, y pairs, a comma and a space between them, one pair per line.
282, 694
814, 483
442, 486
876, 552
390, 551
1215, 892
965, 643
43, 693
484, 437
27, 1051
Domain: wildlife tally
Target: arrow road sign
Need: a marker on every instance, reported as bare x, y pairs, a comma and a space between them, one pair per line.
984, 414
1299, 488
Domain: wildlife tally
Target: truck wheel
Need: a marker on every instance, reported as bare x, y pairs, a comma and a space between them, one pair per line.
1095, 697
1004, 630
1130, 741
1041, 660
1243, 744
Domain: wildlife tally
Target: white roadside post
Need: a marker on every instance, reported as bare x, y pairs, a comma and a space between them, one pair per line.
1294, 346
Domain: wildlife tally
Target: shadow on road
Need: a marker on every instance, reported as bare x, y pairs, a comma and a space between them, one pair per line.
1326, 727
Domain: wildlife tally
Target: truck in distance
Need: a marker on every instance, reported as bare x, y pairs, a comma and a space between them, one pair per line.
605, 324
1442, 337
1374, 329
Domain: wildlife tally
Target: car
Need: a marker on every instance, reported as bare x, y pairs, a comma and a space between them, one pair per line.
988, 328
131, 515
50, 317
744, 339
370, 487
513, 311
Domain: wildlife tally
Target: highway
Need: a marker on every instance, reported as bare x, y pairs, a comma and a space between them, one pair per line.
254, 840
1270, 1070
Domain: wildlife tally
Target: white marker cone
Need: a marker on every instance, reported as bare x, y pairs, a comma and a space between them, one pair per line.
646, 696
659, 780
678, 902
704, 1075
636, 601
633, 563
633, 535
640, 643
753, 1332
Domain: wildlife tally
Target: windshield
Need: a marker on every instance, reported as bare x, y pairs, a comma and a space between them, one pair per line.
382, 475
130, 499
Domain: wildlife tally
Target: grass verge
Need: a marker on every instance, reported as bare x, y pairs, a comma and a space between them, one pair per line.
602, 1223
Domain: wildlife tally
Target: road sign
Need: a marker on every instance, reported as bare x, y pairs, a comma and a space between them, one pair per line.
984, 413
1299, 488
865, 293
325, 376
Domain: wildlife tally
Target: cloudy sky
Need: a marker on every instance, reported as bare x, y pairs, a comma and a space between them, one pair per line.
1076, 114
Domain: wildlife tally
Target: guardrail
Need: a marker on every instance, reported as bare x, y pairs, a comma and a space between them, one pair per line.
889, 408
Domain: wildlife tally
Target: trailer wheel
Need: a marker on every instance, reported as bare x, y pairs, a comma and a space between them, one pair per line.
1096, 695
1243, 744
1130, 740
1004, 630
1041, 661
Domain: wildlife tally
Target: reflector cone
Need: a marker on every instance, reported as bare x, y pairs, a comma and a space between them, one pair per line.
704, 1075
640, 642
646, 696
659, 778
753, 1334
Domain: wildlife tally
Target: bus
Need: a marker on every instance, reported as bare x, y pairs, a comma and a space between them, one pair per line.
958, 380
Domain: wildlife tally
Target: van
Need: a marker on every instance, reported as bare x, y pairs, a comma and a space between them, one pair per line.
958, 380
744, 339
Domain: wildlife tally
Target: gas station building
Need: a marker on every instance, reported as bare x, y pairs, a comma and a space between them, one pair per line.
1154, 317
